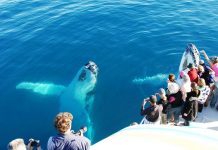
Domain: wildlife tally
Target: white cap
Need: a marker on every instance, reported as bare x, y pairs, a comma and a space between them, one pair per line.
201, 62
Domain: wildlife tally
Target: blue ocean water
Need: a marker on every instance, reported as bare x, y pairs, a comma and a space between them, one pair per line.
135, 43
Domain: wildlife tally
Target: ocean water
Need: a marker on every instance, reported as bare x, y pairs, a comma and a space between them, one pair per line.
135, 44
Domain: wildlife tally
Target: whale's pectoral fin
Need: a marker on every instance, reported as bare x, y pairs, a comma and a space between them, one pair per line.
42, 88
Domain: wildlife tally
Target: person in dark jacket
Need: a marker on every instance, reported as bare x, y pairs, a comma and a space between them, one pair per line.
152, 113
206, 73
176, 103
165, 104
190, 108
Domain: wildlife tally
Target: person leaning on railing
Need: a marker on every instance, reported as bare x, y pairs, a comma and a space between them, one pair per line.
152, 114
213, 64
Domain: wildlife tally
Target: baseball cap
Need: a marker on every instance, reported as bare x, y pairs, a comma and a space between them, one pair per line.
153, 99
190, 65
162, 91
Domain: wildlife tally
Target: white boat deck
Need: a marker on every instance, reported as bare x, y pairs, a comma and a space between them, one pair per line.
208, 118
201, 135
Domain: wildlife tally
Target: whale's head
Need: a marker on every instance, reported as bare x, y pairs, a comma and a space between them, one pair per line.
85, 80
191, 55
90, 69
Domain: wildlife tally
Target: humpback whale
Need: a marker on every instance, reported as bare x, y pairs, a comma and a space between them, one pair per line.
191, 55
76, 98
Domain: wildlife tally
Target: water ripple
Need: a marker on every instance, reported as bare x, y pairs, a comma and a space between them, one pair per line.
127, 38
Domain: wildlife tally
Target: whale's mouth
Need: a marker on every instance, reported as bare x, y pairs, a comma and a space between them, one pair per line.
92, 67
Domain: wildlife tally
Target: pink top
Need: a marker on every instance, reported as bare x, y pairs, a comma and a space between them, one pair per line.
215, 69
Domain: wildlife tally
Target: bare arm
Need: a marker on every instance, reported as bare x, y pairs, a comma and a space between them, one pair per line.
206, 57
184, 94
33, 143
143, 110
29, 147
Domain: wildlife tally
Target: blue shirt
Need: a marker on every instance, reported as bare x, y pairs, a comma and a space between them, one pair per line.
68, 141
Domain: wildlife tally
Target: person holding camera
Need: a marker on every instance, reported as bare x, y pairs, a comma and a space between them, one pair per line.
33, 143
152, 113
163, 101
66, 139
18, 144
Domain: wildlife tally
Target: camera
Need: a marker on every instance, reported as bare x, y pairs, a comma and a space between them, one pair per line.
34, 143
81, 131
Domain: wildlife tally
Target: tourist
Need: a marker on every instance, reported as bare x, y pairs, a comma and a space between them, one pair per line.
165, 104
206, 73
213, 64
175, 100
18, 144
214, 89
172, 86
185, 85
190, 109
65, 139
214, 98
193, 73
205, 91
152, 113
